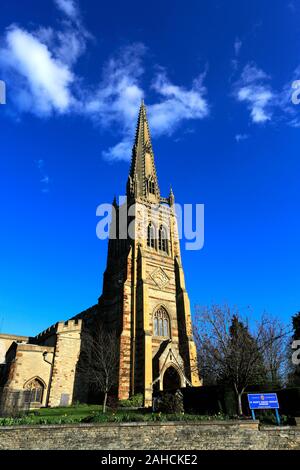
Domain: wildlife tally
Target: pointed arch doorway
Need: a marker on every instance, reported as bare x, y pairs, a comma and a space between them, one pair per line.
171, 379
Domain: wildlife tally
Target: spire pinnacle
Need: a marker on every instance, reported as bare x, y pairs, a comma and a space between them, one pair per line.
142, 180
171, 197
115, 204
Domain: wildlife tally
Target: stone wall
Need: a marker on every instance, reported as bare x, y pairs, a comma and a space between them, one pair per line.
151, 436
6, 341
29, 362
67, 350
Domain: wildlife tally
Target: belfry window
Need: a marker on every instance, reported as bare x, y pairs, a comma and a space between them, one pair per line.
163, 239
151, 186
151, 239
161, 323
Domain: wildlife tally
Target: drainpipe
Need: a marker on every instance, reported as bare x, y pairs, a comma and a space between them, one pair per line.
50, 375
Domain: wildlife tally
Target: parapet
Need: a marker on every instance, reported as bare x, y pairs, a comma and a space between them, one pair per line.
87, 314
68, 326
16, 338
46, 333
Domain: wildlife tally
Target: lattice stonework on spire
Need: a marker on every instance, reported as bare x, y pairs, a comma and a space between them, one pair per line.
143, 181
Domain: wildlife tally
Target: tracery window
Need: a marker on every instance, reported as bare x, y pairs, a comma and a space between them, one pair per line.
151, 186
161, 323
151, 238
35, 389
163, 239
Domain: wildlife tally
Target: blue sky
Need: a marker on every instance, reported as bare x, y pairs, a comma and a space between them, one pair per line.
217, 79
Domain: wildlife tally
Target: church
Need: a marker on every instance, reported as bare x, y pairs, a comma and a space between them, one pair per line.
144, 300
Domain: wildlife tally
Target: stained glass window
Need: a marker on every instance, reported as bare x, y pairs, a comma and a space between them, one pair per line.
161, 323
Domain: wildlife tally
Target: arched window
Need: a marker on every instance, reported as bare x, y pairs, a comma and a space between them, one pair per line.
151, 239
163, 239
151, 185
35, 389
161, 323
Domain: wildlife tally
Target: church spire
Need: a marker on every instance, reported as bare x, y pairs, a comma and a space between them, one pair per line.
142, 180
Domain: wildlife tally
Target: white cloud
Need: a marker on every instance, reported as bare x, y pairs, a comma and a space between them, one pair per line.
252, 74
119, 93
258, 98
264, 103
69, 43
118, 98
178, 104
70, 46
119, 152
115, 101
42, 81
39, 65
253, 89
295, 123
68, 7
241, 137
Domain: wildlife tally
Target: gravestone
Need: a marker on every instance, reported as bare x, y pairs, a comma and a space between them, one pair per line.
64, 399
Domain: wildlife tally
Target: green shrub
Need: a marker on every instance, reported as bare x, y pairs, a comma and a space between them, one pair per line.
7, 421
148, 417
269, 417
136, 401
30, 420
171, 403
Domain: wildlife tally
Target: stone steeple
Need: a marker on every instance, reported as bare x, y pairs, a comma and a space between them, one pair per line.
142, 181
144, 302
144, 296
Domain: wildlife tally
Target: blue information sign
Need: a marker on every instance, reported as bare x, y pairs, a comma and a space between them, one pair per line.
263, 401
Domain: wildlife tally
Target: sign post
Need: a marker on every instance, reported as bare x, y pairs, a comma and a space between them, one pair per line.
264, 401
277, 416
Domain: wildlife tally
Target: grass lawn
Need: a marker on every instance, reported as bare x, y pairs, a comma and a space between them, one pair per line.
93, 414
66, 414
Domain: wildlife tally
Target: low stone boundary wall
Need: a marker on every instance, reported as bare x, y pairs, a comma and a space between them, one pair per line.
210, 435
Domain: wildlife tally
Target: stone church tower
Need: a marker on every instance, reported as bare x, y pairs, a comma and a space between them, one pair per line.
144, 292
144, 300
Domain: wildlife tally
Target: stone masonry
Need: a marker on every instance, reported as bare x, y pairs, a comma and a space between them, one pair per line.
151, 436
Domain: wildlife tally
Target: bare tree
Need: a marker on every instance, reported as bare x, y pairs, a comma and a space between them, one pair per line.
273, 343
228, 352
100, 360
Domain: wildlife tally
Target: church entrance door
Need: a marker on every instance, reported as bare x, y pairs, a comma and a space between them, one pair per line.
171, 379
